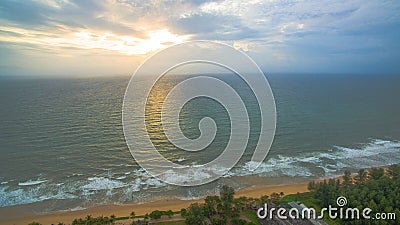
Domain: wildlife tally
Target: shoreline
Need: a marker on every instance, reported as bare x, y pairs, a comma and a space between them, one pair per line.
24, 214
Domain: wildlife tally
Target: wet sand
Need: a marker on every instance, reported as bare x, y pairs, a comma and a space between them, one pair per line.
25, 214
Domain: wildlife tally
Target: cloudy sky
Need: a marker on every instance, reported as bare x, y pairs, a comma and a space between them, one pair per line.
68, 37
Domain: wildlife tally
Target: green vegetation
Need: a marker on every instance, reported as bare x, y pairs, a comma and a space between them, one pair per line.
180, 222
195, 214
97, 220
252, 216
225, 209
376, 189
155, 215
132, 215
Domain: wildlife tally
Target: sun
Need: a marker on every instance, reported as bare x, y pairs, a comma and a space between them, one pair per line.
100, 40
159, 39
127, 45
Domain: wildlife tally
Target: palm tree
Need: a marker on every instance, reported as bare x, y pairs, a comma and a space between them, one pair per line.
227, 194
275, 197
362, 176
132, 215
264, 199
112, 218
211, 203
377, 173
347, 179
240, 203
88, 217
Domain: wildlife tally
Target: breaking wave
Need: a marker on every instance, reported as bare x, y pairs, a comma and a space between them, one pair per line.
126, 186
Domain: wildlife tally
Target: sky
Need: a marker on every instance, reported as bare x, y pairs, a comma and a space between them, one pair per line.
89, 38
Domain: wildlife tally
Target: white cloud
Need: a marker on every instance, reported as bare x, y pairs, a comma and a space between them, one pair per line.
127, 45
279, 29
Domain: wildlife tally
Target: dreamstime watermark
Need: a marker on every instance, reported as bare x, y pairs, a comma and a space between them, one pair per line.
300, 211
190, 53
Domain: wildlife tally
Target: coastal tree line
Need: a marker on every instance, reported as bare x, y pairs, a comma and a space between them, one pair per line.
377, 189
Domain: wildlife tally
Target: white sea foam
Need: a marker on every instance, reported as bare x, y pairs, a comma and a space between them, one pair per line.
318, 164
376, 153
78, 208
154, 182
31, 182
192, 174
34, 194
102, 183
181, 159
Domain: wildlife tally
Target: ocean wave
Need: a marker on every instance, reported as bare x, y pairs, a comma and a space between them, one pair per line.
102, 183
374, 154
40, 193
78, 208
181, 159
31, 182
128, 185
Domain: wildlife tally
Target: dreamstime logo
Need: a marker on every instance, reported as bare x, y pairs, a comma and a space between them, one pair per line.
300, 211
341, 201
191, 53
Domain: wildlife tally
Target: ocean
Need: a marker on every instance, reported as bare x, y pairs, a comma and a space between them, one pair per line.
62, 142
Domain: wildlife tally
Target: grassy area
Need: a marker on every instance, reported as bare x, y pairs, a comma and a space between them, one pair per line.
180, 222
251, 215
306, 198
122, 218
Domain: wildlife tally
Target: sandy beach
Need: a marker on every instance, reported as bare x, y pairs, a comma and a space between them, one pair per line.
25, 214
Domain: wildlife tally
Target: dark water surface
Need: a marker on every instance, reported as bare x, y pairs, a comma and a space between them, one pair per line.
62, 139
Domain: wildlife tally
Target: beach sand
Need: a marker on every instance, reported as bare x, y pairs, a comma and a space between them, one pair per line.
25, 214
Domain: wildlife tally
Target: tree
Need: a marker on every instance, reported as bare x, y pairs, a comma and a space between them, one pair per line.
239, 222
377, 173
312, 186
112, 218
264, 199
397, 213
218, 221
195, 215
132, 215
381, 193
361, 176
394, 171
169, 213
183, 212
275, 197
347, 179
211, 202
207, 211
227, 194
156, 214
